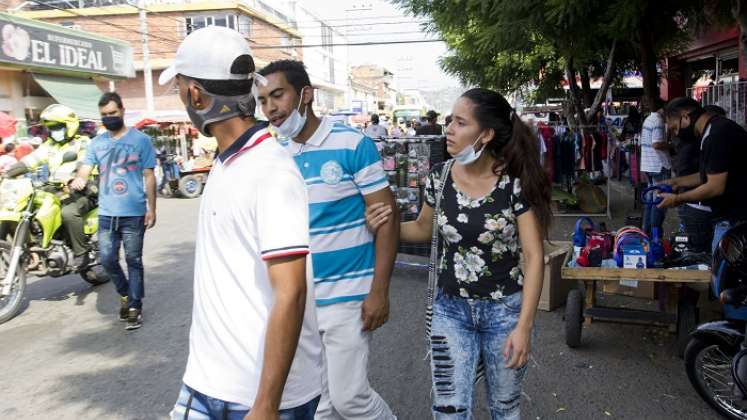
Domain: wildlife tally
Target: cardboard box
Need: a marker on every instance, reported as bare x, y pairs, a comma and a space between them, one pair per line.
642, 289
554, 289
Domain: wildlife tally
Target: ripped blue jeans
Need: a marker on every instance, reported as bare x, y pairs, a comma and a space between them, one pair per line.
462, 330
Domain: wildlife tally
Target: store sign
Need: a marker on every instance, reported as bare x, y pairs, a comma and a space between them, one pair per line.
37, 46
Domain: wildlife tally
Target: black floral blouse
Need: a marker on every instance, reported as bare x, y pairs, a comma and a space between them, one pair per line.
479, 256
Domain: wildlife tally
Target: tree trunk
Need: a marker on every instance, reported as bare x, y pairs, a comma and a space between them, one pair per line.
648, 65
570, 74
585, 86
739, 11
609, 72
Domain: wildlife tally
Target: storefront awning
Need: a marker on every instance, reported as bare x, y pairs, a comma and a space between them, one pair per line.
82, 95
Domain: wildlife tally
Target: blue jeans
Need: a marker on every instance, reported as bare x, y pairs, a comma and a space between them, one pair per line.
129, 231
194, 405
652, 215
462, 331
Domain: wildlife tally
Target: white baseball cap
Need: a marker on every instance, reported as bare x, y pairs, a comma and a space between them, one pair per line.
209, 53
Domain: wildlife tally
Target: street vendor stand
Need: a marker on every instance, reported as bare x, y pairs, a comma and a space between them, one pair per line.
676, 310
407, 161
177, 138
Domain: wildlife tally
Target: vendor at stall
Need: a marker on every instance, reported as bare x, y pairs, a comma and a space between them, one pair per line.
722, 174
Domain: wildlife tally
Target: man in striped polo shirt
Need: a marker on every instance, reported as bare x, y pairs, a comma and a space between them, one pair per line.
343, 174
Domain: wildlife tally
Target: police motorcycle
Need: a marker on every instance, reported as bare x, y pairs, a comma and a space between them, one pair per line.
716, 356
31, 239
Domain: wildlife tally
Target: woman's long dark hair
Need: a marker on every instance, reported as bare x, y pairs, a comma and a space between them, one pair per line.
514, 148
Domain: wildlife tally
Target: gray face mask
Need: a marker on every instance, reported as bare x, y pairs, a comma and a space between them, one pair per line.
221, 108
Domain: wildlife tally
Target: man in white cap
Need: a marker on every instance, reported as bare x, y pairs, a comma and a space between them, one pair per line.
254, 349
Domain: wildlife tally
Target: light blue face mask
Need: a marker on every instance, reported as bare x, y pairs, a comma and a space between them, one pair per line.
295, 121
468, 155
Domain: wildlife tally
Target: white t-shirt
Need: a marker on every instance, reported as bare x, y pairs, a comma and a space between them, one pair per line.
254, 208
375, 131
653, 160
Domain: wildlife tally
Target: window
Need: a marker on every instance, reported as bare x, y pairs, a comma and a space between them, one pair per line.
194, 23
245, 25
327, 37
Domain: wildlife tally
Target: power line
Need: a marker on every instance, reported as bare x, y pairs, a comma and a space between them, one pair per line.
308, 27
349, 44
103, 21
254, 38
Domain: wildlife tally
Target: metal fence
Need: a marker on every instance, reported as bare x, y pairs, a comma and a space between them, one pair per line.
731, 96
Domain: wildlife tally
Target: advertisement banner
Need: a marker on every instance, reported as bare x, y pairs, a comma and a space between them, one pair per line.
38, 45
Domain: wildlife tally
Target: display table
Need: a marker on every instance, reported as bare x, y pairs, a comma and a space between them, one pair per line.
677, 310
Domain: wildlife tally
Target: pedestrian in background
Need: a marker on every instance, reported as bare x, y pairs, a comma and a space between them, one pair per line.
343, 173
655, 163
493, 204
254, 350
8, 159
430, 127
125, 159
375, 130
410, 129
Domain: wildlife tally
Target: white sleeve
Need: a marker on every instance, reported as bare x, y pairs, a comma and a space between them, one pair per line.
658, 133
282, 215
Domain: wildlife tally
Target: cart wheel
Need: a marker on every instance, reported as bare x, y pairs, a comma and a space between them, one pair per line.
574, 318
687, 321
190, 186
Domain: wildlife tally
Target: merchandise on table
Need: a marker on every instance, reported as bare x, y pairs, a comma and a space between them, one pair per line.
629, 247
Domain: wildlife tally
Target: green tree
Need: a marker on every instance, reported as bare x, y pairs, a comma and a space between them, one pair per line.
509, 44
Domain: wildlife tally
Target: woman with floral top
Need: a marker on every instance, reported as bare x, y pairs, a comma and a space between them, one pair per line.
494, 205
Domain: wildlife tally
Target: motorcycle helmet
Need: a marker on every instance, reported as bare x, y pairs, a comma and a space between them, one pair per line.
61, 121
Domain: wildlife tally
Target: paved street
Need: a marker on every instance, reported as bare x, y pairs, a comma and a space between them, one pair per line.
67, 357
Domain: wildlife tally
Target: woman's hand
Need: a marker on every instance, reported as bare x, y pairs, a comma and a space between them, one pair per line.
377, 215
517, 347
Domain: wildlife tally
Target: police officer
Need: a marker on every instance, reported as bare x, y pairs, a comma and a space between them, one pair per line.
62, 124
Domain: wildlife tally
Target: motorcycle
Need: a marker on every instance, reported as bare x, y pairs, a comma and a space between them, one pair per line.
716, 356
32, 243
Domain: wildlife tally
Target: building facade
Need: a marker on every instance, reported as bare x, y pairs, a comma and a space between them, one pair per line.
325, 55
711, 70
271, 34
382, 80
42, 64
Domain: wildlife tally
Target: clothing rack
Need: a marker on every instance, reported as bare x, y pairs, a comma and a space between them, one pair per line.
608, 211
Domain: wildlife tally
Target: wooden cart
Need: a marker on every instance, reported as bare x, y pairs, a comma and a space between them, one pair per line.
679, 311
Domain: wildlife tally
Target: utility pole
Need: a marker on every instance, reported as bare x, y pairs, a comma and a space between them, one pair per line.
147, 75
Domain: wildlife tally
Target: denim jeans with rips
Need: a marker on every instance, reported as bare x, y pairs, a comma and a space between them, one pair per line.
127, 231
462, 331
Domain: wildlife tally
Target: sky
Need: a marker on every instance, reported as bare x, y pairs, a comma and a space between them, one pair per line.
415, 66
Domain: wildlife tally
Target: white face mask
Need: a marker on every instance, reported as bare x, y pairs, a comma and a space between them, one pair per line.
57, 135
294, 123
468, 155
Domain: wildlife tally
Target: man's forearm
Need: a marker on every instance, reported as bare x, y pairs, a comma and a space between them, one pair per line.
688, 181
387, 241
83, 172
702, 193
281, 340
